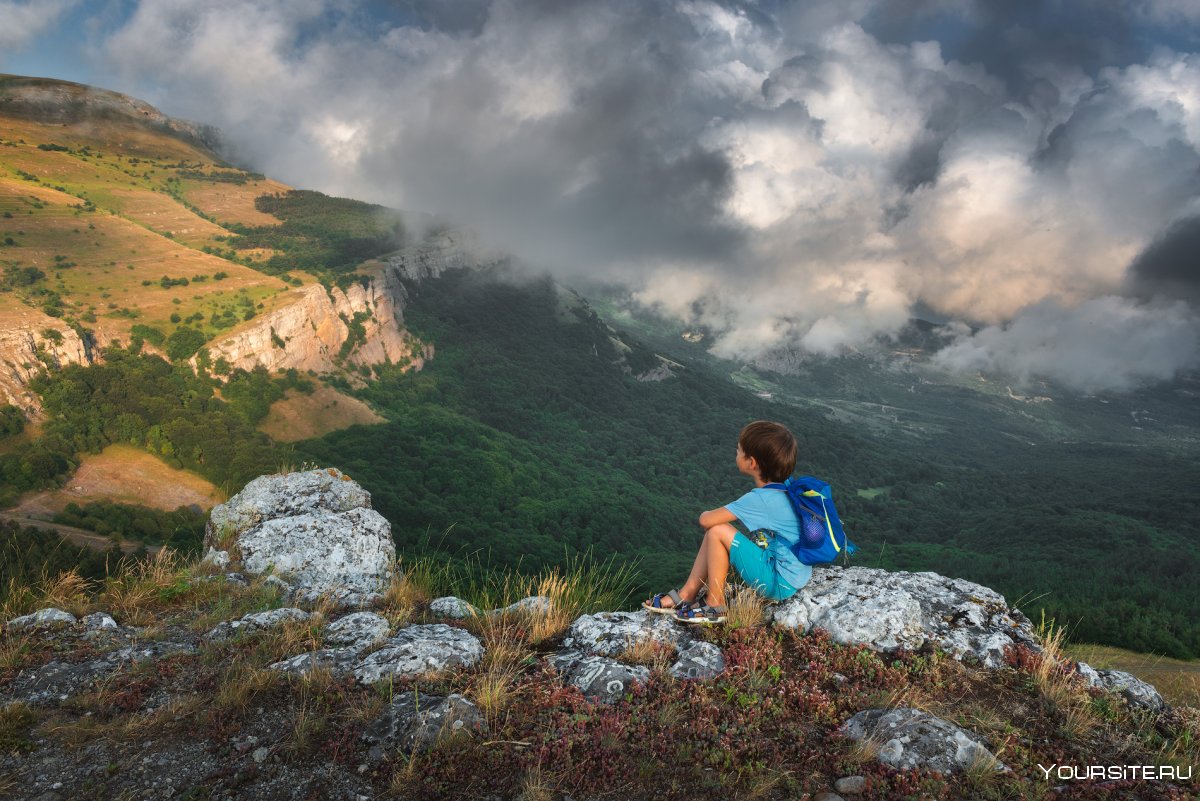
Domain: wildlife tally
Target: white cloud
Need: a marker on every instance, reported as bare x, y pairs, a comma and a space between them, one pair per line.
21, 21
1104, 343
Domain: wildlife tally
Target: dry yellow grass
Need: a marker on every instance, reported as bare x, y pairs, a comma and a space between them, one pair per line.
747, 609
233, 203
125, 474
162, 214
298, 416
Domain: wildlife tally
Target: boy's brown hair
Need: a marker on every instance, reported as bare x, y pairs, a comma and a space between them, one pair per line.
772, 446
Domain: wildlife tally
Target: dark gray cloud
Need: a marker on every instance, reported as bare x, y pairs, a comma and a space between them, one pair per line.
1170, 266
801, 174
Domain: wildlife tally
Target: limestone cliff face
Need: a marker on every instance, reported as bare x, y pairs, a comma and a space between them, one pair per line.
310, 332
26, 346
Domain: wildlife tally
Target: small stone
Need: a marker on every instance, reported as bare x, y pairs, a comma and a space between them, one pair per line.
449, 606
49, 618
850, 785
99, 620
279, 584
218, 559
260, 754
534, 603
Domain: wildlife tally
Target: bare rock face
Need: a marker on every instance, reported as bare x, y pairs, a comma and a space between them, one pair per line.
886, 610
317, 528
912, 738
610, 633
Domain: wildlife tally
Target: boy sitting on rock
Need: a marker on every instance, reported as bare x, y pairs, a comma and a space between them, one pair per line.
766, 453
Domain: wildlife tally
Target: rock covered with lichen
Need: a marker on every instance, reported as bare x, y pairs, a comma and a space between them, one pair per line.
886, 610
315, 528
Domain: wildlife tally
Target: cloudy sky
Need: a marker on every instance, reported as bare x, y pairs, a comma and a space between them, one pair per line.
805, 175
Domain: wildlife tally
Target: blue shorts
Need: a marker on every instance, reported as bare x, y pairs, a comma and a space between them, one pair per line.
757, 568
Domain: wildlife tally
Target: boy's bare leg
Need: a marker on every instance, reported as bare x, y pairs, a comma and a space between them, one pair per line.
699, 574
717, 542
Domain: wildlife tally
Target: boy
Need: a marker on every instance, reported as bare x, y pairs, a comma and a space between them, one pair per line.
767, 454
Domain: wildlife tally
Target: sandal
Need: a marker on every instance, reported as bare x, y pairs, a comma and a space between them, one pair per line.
655, 604
703, 614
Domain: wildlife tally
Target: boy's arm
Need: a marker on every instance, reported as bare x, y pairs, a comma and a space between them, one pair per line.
715, 517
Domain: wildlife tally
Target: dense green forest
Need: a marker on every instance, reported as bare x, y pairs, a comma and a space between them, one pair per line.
182, 529
530, 436
145, 401
327, 236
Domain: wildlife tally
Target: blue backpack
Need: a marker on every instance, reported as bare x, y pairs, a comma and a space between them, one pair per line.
822, 539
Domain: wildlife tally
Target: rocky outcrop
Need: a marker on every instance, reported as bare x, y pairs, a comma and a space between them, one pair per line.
420, 649
25, 350
886, 610
316, 325
316, 528
911, 738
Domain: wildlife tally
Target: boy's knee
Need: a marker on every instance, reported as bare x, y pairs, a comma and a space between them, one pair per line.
722, 532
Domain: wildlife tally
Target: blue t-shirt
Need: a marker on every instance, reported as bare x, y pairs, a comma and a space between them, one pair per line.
771, 508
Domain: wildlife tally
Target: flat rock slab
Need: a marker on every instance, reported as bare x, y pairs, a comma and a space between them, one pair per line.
57, 681
420, 649
699, 661
601, 678
417, 722
886, 610
610, 633
338, 661
1135, 691
361, 629
316, 527
912, 738
256, 623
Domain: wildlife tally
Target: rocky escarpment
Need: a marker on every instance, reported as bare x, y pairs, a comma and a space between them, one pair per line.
30, 343
324, 330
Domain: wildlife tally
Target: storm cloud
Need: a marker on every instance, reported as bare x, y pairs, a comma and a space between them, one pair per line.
798, 174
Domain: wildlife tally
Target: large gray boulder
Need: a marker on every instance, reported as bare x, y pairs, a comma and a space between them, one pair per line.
911, 738
1135, 691
886, 610
317, 528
